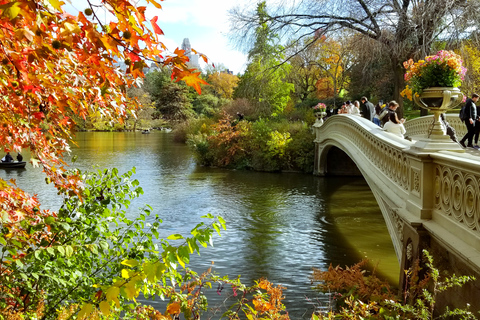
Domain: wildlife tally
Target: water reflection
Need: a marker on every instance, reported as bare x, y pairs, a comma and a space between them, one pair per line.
279, 226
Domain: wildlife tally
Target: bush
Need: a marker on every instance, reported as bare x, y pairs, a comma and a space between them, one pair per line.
301, 150
182, 130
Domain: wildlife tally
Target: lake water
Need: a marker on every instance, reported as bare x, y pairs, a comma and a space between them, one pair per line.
279, 225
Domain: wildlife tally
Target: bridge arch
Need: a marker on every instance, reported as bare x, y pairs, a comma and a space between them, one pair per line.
428, 199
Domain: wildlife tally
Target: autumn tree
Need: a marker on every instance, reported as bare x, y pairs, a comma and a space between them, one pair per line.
403, 29
223, 84
321, 65
471, 56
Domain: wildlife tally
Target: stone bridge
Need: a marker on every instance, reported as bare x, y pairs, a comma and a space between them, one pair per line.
428, 191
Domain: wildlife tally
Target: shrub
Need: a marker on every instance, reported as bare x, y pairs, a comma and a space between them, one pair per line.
361, 296
301, 150
182, 130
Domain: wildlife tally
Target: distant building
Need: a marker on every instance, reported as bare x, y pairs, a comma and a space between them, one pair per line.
228, 71
193, 63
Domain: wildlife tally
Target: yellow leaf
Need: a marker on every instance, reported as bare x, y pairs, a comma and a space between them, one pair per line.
156, 4
179, 259
85, 311
57, 4
130, 263
105, 308
130, 290
112, 295
125, 273
12, 10
70, 28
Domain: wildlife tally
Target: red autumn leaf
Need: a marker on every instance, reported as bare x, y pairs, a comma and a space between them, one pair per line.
38, 115
155, 26
133, 56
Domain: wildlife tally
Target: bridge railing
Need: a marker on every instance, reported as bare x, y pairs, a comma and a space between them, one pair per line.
419, 126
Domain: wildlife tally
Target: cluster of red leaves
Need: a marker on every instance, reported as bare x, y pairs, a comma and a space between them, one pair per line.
226, 138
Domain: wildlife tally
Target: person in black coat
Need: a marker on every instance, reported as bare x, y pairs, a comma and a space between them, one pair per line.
8, 158
366, 109
471, 116
19, 157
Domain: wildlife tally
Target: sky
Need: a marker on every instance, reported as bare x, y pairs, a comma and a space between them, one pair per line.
203, 22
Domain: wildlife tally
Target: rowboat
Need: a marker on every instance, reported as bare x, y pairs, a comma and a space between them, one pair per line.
12, 165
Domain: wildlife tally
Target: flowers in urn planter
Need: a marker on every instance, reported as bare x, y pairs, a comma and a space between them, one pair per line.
320, 107
445, 69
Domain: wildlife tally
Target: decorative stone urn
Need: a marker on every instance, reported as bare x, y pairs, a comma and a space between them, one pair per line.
318, 123
438, 100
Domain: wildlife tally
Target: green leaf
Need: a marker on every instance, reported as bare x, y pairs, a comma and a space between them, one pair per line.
104, 245
68, 251
19, 263
51, 251
3, 241
61, 250
49, 220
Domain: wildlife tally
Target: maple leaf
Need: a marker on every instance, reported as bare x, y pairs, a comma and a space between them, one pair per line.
193, 80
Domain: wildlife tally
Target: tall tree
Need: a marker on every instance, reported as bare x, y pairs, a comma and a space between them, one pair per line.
264, 80
403, 29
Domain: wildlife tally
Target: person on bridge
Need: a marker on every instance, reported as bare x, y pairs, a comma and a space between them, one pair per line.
385, 114
355, 109
343, 109
366, 109
471, 116
395, 126
477, 129
376, 114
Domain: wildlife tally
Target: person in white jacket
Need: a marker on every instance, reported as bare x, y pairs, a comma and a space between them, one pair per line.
393, 125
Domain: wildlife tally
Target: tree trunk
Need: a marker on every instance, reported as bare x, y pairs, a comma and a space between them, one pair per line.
398, 85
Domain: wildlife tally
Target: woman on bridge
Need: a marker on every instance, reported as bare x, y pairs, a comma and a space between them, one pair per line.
393, 125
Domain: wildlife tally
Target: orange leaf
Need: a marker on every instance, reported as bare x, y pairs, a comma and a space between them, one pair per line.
173, 308
193, 80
